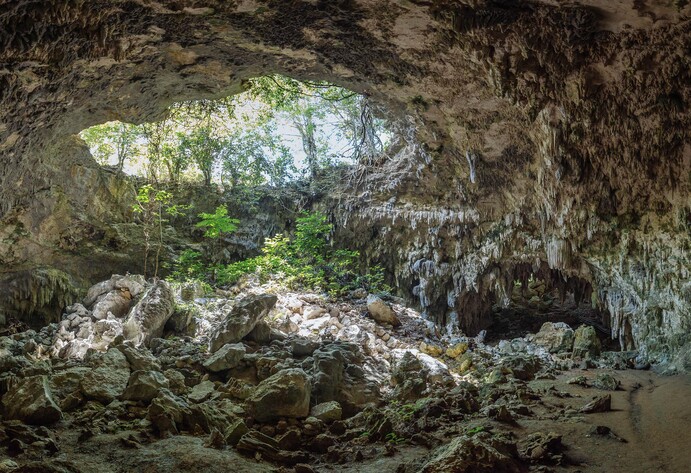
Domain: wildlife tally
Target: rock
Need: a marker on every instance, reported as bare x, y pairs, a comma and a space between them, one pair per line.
31, 401
579, 380
261, 333
139, 359
586, 344
409, 377
8, 465
284, 394
479, 453
523, 367
303, 346
147, 319
604, 431
457, 350
255, 442
313, 313
337, 375
557, 337
599, 404
144, 386
235, 431
381, 311
108, 380
542, 447
202, 391
240, 321
182, 320
133, 284
167, 412
115, 302
327, 411
606, 382
227, 357
431, 350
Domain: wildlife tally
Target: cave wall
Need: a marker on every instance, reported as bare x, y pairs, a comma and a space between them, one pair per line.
537, 131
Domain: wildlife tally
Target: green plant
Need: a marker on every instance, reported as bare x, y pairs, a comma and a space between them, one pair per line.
394, 439
307, 260
475, 430
217, 223
151, 207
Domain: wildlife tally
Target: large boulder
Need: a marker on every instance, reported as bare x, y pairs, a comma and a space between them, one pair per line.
242, 318
227, 357
131, 284
285, 394
144, 386
31, 401
337, 375
109, 378
480, 453
147, 319
555, 337
381, 311
586, 344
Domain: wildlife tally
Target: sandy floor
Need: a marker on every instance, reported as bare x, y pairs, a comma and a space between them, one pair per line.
653, 413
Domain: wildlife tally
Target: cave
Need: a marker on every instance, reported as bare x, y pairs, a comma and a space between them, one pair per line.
537, 190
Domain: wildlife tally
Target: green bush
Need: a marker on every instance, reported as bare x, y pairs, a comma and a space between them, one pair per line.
307, 260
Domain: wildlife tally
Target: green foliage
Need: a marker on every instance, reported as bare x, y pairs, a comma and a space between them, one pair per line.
475, 430
394, 439
307, 260
151, 208
189, 266
217, 223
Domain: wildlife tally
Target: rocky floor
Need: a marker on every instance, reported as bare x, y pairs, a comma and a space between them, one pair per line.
152, 378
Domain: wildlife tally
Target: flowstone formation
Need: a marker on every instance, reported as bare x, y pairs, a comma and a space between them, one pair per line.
303, 383
542, 137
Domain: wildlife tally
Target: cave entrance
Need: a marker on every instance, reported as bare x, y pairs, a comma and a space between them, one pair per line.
542, 295
278, 130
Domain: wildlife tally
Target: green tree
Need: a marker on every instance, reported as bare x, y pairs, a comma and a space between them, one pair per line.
112, 140
151, 207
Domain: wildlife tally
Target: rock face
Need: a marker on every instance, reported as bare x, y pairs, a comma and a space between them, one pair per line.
285, 394
242, 318
31, 401
545, 166
147, 319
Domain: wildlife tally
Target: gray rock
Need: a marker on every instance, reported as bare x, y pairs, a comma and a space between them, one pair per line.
381, 311
606, 382
327, 411
108, 380
556, 337
227, 357
261, 333
303, 346
523, 367
134, 284
139, 359
182, 321
586, 344
144, 386
242, 318
116, 302
284, 394
202, 391
147, 319
31, 401
481, 452
167, 412
599, 404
